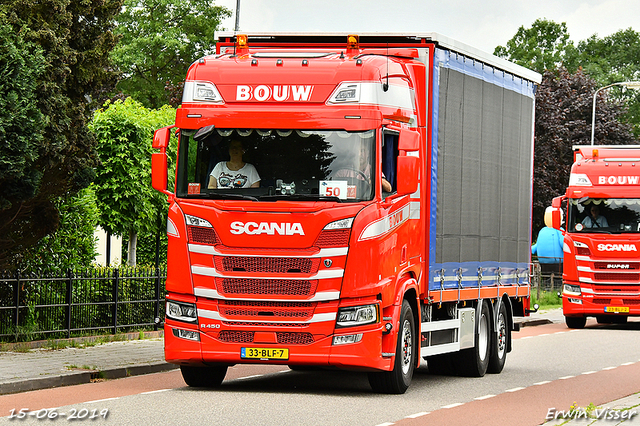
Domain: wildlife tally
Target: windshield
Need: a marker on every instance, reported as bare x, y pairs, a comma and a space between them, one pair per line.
609, 215
271, 165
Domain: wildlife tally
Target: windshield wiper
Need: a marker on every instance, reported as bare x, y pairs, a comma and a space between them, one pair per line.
299, 197
223, 196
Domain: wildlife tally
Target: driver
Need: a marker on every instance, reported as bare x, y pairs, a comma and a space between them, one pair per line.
363, 170
234, 173
595, 220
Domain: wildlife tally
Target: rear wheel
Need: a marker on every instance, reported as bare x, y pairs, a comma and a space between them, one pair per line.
575, 322
397, 381
473, 362
203, 377
499, 342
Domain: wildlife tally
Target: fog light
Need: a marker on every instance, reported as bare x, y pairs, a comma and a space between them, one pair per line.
186, 334
347, 339
576, 301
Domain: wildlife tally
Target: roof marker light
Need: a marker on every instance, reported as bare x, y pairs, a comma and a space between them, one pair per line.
353, 41
242, 41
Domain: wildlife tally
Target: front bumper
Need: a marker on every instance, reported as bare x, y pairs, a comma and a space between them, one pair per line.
366, 354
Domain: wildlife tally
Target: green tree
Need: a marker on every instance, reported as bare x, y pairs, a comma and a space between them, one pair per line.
55, 58
160, 39
128, 204
541, 47
563, 119
611, 59
73, 244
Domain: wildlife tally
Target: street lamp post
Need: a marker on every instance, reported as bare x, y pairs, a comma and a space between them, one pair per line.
237, 15
627, 84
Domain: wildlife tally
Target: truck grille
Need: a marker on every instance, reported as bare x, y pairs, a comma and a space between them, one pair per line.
273, 287
236, 336
300, 310
608, 265
267, 264
285, 338
610, 276
264, 324
601, 301
202, 235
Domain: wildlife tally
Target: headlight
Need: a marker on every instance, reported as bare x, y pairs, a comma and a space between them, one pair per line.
340, 224
357, 315
196, 221
181, 311
573, 290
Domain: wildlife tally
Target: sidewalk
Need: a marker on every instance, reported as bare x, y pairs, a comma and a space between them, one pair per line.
46, 368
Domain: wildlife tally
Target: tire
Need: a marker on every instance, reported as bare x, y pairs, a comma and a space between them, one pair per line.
499, 342
473, 362
203, 377
575, 322
397, 381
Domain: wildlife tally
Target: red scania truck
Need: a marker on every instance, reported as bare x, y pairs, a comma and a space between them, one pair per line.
298, 255
601, 268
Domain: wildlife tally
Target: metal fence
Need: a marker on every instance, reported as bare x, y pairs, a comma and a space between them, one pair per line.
34, 306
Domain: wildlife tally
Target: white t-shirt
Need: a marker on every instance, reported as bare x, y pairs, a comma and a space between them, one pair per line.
243, 178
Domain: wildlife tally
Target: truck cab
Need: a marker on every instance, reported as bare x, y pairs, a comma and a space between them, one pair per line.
601, 271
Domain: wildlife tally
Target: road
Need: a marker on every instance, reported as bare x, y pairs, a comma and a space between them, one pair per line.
549, 367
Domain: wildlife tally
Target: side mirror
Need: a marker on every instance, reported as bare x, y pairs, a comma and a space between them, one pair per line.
555, 211
159, 173
407, 180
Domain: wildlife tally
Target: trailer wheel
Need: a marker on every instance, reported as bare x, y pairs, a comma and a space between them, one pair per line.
575, 322
203, 377
473, 362
499, 342
397, 381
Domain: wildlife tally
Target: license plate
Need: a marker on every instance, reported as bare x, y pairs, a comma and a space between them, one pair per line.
264, 353
616, 309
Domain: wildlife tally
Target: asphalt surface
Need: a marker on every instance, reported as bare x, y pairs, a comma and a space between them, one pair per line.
28, 367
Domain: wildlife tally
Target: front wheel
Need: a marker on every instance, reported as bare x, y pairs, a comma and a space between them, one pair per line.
575, 322
203, 377
397, 380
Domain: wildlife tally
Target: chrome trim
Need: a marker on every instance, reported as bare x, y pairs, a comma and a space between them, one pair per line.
325, 252
322, 274
322, 296
214, 315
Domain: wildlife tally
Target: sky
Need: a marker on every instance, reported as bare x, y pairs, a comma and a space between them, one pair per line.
480, 24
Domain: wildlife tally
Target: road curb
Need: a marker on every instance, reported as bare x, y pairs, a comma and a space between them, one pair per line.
531, 323
81, 377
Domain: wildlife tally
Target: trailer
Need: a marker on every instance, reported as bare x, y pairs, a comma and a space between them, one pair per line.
348, 201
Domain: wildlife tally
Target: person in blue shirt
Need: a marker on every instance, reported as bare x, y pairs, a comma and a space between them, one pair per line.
548, 246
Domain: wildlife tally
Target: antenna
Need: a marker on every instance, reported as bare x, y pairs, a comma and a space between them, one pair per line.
385, 85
